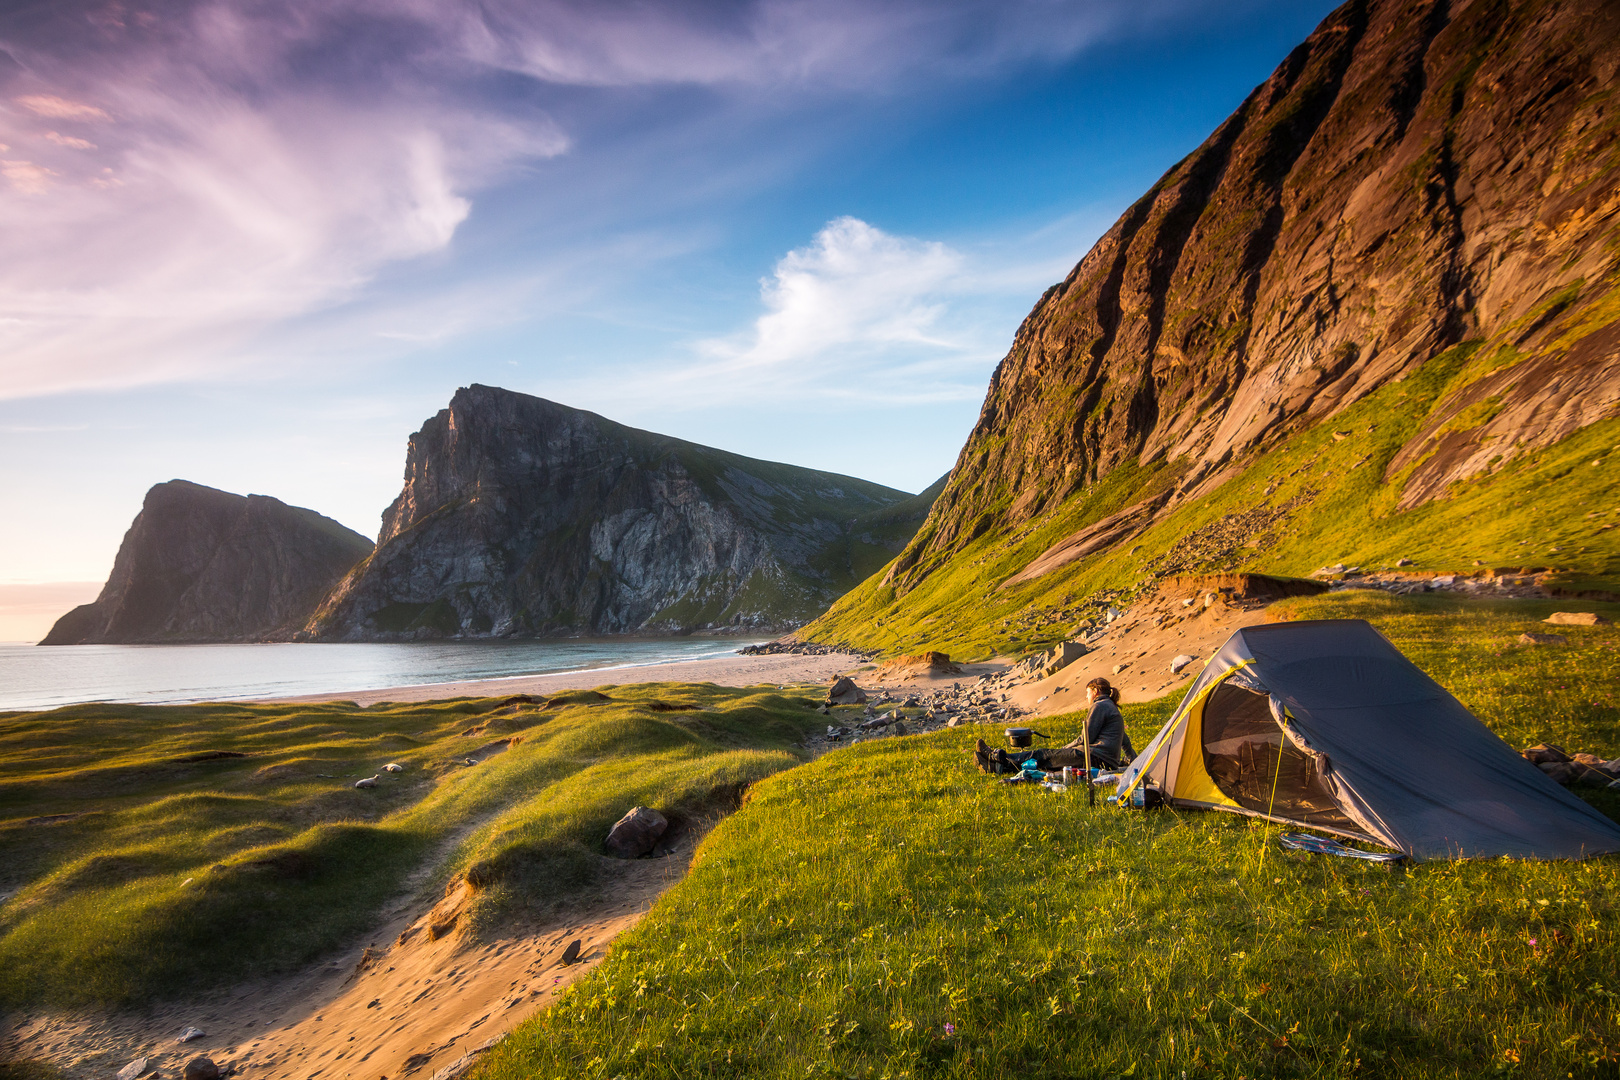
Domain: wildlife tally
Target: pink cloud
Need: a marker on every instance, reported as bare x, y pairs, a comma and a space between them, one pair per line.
26, 177
69, 141
57, 108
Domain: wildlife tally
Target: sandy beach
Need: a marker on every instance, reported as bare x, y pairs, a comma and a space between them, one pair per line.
782, 669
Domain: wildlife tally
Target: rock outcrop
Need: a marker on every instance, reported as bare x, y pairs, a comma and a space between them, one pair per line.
1416, 175
520, 517
203, 565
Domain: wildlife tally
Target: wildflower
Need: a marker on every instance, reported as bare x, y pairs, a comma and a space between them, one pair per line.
1532, 943
950, 1029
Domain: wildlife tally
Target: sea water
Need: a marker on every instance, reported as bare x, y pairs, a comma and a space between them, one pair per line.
46, 676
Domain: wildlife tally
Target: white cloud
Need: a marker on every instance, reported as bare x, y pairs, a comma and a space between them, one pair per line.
853, 287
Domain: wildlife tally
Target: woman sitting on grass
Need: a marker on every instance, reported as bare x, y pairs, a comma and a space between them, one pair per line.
1105, 730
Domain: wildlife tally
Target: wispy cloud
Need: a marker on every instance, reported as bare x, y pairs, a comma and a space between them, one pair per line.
181, 178
56, 108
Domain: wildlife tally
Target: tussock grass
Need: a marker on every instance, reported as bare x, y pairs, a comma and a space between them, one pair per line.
130, 874
888, 912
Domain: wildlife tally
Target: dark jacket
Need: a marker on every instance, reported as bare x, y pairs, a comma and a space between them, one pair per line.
1105, 729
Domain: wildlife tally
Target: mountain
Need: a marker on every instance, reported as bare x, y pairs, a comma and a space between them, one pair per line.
202, 565
1373, 316
520, 516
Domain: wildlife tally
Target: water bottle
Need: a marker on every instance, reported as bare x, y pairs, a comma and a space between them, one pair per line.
1138, 800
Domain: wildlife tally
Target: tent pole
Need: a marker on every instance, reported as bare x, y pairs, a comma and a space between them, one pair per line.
1085, 737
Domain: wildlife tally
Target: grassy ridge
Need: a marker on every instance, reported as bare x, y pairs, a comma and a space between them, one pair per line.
134, 874
888, 912
1318, 498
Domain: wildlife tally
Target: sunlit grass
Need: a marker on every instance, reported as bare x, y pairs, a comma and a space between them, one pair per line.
888, 911
175, 876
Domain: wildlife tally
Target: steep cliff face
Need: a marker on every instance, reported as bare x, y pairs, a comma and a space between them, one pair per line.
1415, 175
202, 565
520, 517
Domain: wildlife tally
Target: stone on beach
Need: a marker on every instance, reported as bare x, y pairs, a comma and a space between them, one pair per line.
133, 1069
845, 692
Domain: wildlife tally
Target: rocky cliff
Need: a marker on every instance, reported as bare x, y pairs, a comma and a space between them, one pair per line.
520, 516
1420, 179
202, 565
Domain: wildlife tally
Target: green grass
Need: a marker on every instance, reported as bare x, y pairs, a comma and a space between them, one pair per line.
1330, 503
176, 876
858, 905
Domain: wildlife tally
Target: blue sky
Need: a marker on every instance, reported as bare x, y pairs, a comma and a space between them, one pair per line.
255, 244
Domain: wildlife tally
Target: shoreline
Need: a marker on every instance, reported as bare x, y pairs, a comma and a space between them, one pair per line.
778, 669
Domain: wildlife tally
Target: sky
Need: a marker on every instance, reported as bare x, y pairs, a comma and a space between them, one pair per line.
256, 243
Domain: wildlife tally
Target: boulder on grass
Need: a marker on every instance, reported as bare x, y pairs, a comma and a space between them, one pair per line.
636, 833
845, 692
1544, 752
1563, 772
1576, 618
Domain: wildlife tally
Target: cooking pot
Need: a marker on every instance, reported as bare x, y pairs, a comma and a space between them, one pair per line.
1020, 736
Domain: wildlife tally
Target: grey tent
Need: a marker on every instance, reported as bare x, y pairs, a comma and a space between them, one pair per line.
1325, 724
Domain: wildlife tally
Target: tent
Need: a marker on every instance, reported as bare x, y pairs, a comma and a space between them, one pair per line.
1326, 725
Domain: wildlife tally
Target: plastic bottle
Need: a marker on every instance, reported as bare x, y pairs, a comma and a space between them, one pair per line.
1138, 800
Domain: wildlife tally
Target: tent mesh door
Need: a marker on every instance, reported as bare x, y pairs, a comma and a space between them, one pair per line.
1241, 746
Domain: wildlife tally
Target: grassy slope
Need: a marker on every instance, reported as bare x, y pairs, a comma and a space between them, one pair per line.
1343, 511
858, 905
282, 862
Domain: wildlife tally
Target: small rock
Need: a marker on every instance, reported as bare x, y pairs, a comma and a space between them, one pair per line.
635, 834
1180, 662
133, 1069
201, 1068
1575, 618
1543, 753
1543, 639
571, 954
1404, 562
1118, 668
393, 767
1478, 563
368, 782
1562, 772
191, 1033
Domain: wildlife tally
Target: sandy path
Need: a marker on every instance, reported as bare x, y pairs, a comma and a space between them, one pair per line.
405, 1004
777, 669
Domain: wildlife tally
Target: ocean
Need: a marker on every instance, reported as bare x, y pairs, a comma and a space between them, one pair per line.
40, 677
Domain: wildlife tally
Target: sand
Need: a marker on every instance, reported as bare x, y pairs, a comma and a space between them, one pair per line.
1142, 642
401, 1003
